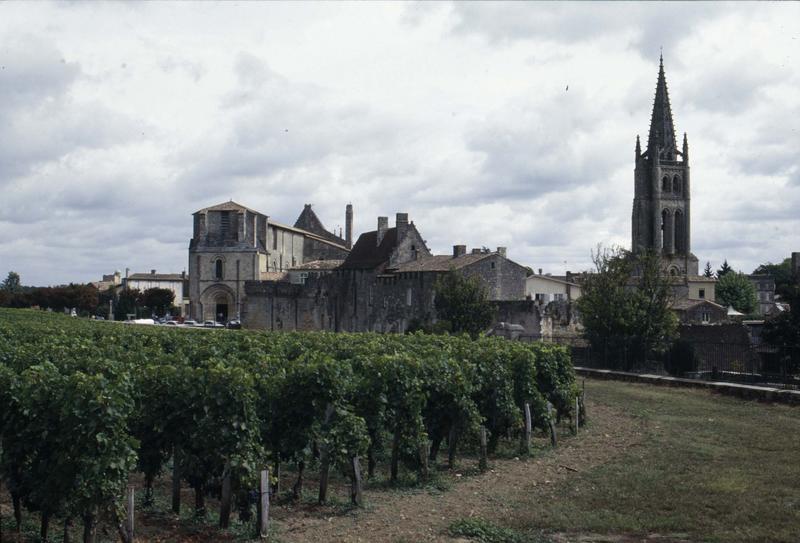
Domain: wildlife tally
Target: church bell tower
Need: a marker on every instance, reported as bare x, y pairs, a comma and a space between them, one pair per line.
661, 202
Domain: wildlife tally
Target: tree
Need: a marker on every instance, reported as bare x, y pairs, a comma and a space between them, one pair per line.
708, 272
463, 303
735, 289
158, 300
128, 303
724, 270
781, 273
12, 284
783, 332
624, 305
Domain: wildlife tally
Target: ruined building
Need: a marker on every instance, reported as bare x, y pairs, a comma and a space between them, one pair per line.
385, 284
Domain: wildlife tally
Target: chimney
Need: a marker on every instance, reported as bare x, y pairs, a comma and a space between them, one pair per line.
183, 274
401, 220
152, 272
459, 250
501, 251
383, 226
476, 251
348, 226
540, 271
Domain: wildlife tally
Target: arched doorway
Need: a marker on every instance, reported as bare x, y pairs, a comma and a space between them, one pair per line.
218, 303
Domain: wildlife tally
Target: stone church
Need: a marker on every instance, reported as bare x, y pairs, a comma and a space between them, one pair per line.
661, 215
661, 201
232, 244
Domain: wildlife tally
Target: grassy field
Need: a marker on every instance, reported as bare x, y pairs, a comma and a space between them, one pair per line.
704, 468
654, 464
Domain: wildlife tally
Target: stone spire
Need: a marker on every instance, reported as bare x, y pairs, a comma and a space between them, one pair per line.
661, 141
685, 148
638, 147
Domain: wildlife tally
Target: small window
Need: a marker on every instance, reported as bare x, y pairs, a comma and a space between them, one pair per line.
676, 185
558, 297
274, 238
225, 223
218, 269
493, 265
702, 293
408, 296
665, 184
706, 317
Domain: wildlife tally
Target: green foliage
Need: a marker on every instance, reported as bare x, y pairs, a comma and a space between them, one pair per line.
783, 331
11, 284
735, 289
724, 270
625, 307
158, 300
782, 274
83, 404
708, 272
462, 302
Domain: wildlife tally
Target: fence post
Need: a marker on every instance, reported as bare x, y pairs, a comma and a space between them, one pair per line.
483, 463
176, 483
225, 501
324, 459
424, 451
577, 413
551, 423
131, 505
356, 491
263, 505
526, 438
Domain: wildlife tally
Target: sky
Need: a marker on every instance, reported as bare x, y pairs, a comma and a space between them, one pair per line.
489, 124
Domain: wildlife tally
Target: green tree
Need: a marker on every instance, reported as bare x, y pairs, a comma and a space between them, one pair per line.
724, 270
783, 331
128, 303
735, 289
781, 273
625, 307
158, 300
708, 272
12, 283
463, 303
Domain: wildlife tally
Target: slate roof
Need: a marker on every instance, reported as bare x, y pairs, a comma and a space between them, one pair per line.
156, 277
366, 254
556, 279
684, 304
319, 265
309, 222
227, 206
441, 263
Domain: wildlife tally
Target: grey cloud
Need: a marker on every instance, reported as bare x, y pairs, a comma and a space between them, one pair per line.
651, 25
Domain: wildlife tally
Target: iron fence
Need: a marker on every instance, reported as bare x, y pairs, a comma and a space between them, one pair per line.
738, 362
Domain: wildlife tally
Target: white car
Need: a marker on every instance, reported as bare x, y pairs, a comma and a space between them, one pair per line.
190, 323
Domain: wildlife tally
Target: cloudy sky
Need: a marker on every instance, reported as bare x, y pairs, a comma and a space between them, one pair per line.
490, 124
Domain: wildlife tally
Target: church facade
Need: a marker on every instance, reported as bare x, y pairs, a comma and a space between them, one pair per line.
232, 244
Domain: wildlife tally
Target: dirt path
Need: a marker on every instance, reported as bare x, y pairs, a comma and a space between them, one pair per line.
424, 516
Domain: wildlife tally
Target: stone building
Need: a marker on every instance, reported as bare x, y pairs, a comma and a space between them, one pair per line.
385, 284
545, 288
178, 283
232, 244
764, 285
661, 203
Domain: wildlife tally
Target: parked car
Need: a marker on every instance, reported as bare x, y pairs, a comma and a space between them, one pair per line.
234, 325
190, 322
171, 323
213, 324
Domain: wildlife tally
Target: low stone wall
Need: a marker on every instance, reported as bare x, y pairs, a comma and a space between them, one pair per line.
748, 392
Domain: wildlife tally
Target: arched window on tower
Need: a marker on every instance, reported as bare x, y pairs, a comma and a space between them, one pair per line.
665, 184
677, 186
218, 269
680, 232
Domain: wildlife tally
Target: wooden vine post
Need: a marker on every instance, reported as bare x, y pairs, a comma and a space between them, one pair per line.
483, 462
262, 520
176, 483
357, 488
551, 423
325, 459
525, 447
225, 501
129, 517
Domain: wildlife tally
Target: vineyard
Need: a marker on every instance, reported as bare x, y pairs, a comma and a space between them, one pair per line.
84, 406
